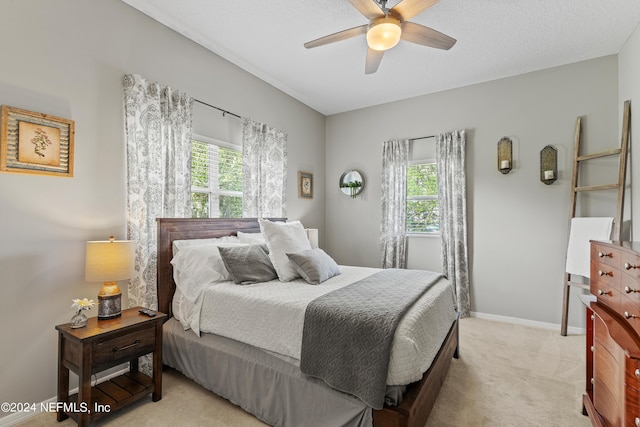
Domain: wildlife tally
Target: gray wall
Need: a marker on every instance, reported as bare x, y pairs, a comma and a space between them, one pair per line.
67, 58
518, 226
629, 89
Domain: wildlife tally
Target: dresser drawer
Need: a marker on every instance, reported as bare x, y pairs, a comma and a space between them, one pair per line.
605, 285
630, 310
124, 347
632, 408
630, 264
606, 255
606, 375
632, 373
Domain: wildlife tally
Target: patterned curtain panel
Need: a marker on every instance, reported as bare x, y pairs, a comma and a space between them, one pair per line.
393, 236
158, 138
452, 199
264, 169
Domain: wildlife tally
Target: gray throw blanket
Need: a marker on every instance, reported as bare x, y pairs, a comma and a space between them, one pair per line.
348, 333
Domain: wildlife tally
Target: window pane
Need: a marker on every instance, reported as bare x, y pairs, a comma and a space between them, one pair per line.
229, 170
422, 180
422, 216
230, 207
199, 164
199, 205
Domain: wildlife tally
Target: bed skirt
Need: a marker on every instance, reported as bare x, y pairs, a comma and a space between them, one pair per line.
272, 389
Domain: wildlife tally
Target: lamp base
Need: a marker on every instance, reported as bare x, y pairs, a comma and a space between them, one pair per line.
109, 307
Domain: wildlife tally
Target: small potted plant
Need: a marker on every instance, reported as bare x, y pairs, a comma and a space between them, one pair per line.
79, 320
353, 187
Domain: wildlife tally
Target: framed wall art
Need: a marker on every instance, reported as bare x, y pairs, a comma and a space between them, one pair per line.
305, 185
35, 143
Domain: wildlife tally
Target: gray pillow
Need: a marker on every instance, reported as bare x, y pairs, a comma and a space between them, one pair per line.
314, 265
248, 264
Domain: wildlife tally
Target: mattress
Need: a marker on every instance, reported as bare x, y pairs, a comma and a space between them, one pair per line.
270, 316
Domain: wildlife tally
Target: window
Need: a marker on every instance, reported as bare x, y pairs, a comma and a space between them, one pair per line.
422, 197
216, 179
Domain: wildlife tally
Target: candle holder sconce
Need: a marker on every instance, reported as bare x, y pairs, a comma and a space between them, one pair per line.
505, 156
548, 165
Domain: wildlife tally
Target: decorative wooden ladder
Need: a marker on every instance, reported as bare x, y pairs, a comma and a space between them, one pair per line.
575, 189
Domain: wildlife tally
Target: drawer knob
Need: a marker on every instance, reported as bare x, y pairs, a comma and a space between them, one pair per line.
601, 292
593, 381
637, 422
604, 254
604, 273
593, 349
637, 373
126, 347
628, 315
593, 317
630, 290
628, 266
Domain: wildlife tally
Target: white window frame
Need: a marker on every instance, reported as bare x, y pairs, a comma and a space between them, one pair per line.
212, 190
425, 233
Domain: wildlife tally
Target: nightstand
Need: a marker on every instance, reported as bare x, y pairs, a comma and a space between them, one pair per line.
100, 345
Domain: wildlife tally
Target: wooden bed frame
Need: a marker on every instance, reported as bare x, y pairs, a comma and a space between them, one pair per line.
420, 396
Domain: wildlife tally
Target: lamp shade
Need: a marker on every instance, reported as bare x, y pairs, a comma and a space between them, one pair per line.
110, 260
312, 235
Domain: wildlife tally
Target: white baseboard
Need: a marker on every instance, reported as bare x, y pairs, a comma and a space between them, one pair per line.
19, 417
525, 322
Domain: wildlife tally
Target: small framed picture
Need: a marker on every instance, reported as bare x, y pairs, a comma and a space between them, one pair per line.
305, 185
35, 143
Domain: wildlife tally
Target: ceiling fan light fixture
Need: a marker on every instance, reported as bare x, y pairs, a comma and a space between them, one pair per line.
383, 33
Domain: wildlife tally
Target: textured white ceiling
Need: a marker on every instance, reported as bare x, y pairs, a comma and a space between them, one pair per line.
496, 38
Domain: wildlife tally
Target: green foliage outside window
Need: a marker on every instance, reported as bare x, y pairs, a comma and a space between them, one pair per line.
216, 175
422, 198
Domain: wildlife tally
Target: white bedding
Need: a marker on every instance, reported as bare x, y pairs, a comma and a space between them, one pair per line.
270, 316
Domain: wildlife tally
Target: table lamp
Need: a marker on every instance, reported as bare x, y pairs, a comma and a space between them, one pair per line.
312, 235
109, 261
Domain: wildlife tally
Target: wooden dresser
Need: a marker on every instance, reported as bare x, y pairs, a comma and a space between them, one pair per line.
613, 335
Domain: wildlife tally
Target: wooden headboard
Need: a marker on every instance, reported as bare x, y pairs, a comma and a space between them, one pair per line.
170, 229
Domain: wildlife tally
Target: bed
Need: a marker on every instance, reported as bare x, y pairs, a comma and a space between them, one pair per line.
269, 385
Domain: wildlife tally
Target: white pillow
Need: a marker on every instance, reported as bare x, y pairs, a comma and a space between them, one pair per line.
179, 244
252, 238
283, 237
197, 267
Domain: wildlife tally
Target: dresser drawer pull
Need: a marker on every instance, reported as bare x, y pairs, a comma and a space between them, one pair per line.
601, 292
630, 290
593, 381
605, 273
637, 373
628, 266
628, 315
127, 347
604, 254
593, 317
593, 349
637, 422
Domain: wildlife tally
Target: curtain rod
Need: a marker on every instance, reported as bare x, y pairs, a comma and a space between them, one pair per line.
422, 137
217, 108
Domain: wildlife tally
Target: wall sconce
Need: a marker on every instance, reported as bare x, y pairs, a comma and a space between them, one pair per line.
548, 165
505, 156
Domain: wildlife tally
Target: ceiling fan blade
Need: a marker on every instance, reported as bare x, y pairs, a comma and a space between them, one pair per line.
407, 9
373, 60
336, 37
416, 33
369, 8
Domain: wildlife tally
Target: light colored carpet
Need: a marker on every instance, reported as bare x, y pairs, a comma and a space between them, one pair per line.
507, 375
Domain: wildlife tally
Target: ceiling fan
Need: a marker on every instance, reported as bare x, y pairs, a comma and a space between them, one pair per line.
386, 27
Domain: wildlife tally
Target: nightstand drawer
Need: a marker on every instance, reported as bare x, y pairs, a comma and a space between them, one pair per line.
124, 348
